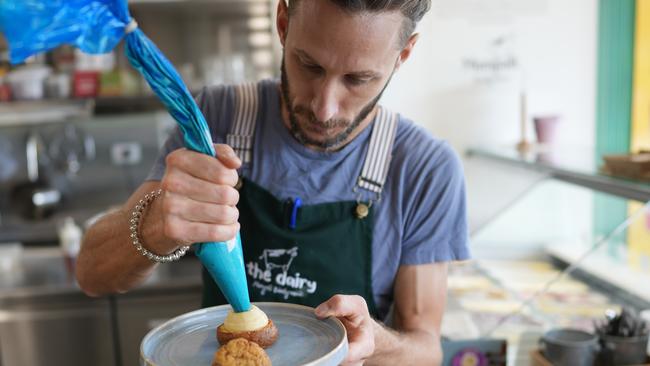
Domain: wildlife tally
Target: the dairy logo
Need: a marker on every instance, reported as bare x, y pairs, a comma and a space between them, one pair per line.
270, 274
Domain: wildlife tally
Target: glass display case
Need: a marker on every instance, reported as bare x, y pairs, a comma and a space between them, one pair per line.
574, 246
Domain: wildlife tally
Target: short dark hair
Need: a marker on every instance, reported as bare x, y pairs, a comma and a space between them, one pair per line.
412, 10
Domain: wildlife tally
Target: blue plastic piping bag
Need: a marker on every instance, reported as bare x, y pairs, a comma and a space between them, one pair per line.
97, 26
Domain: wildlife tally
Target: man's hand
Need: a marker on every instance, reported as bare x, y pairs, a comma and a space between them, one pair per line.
199, 196
352, 311
420, 296
198, 205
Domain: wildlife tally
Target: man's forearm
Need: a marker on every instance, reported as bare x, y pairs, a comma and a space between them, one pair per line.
416, 347
108, 261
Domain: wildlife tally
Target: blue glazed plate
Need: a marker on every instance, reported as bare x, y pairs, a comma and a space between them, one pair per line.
191, 339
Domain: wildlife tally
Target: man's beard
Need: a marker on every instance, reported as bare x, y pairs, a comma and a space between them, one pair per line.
332, 143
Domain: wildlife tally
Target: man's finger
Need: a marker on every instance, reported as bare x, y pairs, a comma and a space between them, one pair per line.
196, 211
350, 306
356, 363
197, 232
197, 189
203, 166
227, 156
360, 348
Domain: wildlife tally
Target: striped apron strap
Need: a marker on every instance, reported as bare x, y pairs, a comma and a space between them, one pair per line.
242, 129
375, 167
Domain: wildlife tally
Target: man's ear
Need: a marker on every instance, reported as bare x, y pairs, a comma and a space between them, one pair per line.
282, 21
406, 51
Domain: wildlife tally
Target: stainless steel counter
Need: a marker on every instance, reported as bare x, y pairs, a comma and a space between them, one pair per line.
45, 318
40, 272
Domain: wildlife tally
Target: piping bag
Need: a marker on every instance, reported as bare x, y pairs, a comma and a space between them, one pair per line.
95, 27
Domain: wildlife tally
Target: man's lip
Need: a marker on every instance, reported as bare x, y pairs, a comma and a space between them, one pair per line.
316, 128
322, 132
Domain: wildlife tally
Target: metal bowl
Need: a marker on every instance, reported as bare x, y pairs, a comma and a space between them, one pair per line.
190, 339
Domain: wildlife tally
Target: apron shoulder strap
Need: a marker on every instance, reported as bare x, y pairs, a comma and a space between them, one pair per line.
375, 167
242, 129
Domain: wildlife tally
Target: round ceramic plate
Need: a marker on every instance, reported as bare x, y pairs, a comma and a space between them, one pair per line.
191, 339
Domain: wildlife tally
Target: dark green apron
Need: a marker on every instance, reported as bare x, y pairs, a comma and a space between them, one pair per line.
305, 254
327, 253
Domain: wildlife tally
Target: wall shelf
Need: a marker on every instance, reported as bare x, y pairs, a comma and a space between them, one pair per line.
43, 112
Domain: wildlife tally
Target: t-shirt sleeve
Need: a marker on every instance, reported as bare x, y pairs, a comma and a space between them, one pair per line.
216, 104
435, 227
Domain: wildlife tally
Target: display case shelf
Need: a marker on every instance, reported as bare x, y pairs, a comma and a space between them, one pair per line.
576, 166
517, 285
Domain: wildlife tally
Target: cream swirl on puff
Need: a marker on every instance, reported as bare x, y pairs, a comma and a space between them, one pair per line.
246, 321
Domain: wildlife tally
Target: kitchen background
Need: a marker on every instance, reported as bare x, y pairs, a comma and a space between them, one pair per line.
78, 133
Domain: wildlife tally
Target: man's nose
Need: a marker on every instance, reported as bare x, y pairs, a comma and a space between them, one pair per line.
325, 104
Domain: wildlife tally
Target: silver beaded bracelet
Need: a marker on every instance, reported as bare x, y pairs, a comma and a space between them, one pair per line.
136, 215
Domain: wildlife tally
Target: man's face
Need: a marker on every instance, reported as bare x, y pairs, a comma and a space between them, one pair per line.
335, 66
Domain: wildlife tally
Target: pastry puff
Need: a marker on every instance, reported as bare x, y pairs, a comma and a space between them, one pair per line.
252, 325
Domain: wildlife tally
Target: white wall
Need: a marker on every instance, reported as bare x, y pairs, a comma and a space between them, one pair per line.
557, 50
554, 44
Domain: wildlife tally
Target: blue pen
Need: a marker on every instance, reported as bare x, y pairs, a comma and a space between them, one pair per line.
294, 213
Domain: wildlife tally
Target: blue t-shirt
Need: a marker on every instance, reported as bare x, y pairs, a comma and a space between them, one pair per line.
421, 217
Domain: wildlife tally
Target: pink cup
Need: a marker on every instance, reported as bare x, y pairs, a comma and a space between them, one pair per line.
546, 129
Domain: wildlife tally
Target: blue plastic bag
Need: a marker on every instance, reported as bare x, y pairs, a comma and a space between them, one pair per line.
97, 26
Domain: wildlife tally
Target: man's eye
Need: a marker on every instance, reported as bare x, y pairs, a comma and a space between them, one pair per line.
355, 80
313, 68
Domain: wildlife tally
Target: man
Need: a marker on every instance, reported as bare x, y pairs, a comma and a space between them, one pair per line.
343, 205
